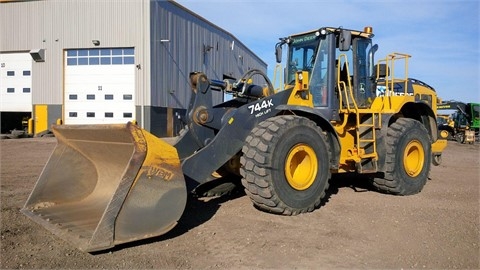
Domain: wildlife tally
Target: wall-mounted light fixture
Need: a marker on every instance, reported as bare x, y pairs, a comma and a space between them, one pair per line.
164, 40
38, 55
207, 48
96, 42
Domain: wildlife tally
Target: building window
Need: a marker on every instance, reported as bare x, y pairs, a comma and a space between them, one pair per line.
10, 73
127, 97
128, 60
72, 97
71, 53
90, 114
105, 60
10, 90
127, 115
94, 52
114, 56
117, 51
26, 90
90, 97
82, 61
116, 60
83, 52
26, 73
108, 97
94, 61
109, 114
72, 114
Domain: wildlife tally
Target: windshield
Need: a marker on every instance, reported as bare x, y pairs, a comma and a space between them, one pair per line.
475, 115
476, 111
441, 120
301, 55
309, 53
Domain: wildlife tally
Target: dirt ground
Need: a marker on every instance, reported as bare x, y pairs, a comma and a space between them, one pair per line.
356, 228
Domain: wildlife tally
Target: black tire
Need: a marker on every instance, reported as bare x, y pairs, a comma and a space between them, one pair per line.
460, 137
437, 159
408, 159
278, 141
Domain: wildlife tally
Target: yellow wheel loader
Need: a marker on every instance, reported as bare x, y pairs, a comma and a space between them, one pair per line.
338, 112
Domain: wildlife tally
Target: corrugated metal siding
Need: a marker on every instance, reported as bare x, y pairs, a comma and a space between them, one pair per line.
58, 25
187, 36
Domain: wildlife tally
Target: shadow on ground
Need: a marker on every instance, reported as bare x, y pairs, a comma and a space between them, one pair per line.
200, 210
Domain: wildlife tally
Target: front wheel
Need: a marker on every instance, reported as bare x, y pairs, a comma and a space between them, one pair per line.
285, 165
445, 134
408, 158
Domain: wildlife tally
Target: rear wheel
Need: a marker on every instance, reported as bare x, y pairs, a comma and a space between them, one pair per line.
437, 159
408, 158
285, 165
460, 137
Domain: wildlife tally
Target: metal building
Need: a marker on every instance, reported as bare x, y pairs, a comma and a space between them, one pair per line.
102, 61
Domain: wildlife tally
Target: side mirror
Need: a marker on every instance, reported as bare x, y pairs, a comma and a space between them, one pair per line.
278, 52
344, 40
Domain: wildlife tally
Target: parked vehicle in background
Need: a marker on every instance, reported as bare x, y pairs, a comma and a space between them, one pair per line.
464, 124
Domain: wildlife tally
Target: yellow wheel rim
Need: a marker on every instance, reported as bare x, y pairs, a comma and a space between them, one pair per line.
444, 134
413, 158
301, 166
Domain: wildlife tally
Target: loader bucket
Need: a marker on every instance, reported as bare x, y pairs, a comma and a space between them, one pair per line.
108, 184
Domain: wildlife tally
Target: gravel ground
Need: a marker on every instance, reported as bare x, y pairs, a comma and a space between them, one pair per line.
356, 228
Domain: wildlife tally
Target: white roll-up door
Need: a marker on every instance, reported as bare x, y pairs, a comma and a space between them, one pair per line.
15, 82
99, 86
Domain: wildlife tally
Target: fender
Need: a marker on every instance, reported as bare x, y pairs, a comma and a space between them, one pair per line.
419, 111
318, 117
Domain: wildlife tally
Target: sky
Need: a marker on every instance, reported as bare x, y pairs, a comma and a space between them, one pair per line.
442, 36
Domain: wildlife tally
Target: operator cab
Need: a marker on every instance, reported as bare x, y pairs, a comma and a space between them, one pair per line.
334, 58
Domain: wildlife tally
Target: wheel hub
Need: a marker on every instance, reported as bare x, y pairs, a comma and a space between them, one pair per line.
444, 134
413, 158
301, 166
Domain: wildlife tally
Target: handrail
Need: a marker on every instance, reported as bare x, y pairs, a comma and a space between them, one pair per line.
342, 86
390, 78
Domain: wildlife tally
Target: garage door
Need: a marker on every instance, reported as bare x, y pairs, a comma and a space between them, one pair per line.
99, 86
15, 82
